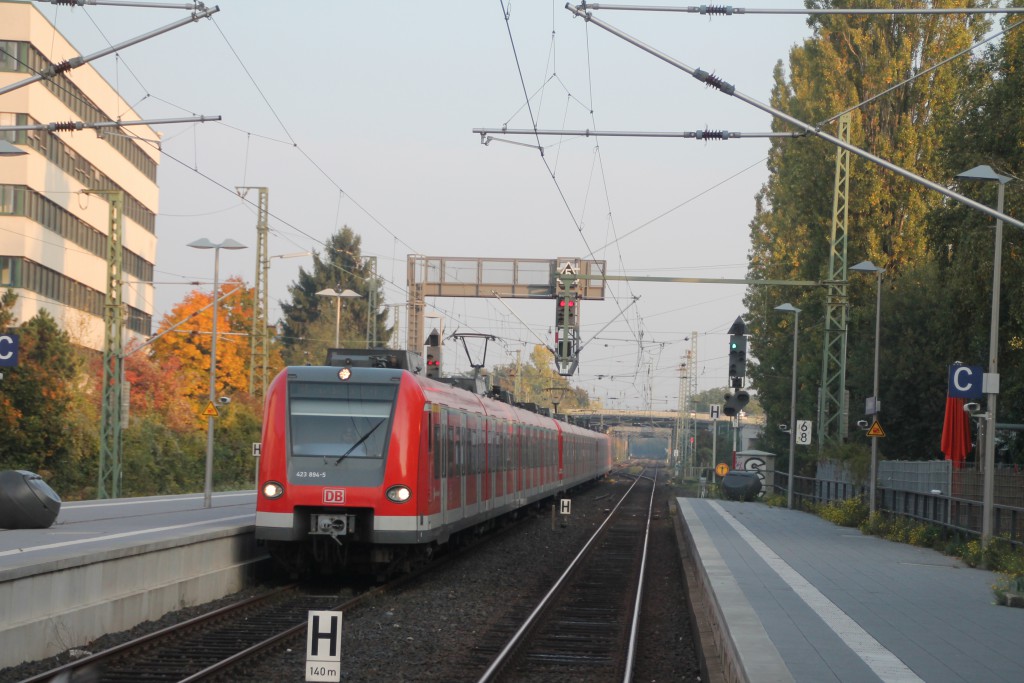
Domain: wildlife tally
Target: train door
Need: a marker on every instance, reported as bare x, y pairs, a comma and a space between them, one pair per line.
436, 456
535, 459
519, 461
441, 446
560, 448
508, 469
472, 469
489, 457
455, 464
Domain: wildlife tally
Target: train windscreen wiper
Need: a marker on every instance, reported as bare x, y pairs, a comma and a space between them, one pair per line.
363, 438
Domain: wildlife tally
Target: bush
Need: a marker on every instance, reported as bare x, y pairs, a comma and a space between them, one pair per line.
775, 500
850, 512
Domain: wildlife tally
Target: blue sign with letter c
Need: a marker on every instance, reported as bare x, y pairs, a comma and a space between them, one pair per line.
965, 381
8, 350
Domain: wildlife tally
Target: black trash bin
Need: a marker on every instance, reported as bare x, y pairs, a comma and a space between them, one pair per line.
739, 485
26, 501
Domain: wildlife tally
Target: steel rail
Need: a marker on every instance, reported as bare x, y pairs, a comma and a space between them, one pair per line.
510, 648
634, 630
69, 668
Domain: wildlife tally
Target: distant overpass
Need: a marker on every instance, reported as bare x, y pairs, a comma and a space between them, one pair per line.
636, 422
603, 420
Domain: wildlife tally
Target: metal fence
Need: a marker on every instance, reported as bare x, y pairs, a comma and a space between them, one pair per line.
927, 491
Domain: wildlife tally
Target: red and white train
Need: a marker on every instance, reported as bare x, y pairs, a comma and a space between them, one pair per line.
369, 465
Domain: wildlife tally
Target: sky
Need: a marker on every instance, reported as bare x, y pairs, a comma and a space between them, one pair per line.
361, 114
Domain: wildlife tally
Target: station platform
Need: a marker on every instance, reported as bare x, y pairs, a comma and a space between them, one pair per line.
105, 566
794, 598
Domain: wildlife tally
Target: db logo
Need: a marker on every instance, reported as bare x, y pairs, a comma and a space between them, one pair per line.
334, 496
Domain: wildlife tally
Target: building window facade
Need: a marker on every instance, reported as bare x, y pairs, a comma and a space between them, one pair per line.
21, 273
24, 58
18, 200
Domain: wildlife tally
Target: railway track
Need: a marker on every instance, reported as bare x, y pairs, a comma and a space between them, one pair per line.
221, 643
401, 627
585, 628
208, 646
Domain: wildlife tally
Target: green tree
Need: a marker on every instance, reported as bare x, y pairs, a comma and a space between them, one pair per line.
309, 323
846, 61
539, 383
7, 301
989, 132
9, 413
41, 393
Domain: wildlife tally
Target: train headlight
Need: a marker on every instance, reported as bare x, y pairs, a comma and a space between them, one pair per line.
399, 494
272, 489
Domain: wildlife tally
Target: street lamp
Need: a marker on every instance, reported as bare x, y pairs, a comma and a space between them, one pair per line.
9, 150
790, 308
338, 296
869, 267
991, 380
204, 243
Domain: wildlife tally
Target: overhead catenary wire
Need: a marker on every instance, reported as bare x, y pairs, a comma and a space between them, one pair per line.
486, 133
729, 10
729, 89
126, 3
533, 120
859, 105
66, 126
69, 64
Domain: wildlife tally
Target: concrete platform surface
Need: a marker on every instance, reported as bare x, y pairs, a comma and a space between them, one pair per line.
105, 566
100, 526
804, 600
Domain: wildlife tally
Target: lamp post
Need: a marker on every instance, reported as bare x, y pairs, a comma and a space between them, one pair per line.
869, 267
204, 243
338, 296
991, 380
790, 308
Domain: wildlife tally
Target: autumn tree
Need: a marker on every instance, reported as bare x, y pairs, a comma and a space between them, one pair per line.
165, 442
188, 346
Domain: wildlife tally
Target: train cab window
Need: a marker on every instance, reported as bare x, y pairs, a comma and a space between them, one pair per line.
336, 420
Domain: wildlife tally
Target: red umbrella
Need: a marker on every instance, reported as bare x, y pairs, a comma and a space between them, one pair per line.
956, 432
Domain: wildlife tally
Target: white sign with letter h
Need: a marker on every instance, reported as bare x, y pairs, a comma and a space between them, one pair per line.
323, 646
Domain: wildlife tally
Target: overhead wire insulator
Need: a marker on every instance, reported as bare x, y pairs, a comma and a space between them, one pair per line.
712, 135
65, 125
714, 81
717, 9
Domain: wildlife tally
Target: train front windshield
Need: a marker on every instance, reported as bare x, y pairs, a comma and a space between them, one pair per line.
338, 431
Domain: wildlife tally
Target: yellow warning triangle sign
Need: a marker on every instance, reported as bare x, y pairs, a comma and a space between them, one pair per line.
211, 411
876, 429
